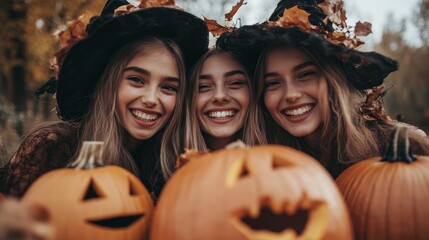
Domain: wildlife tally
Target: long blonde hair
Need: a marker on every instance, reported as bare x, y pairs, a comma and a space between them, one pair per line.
345, 135
102, 123
193, 136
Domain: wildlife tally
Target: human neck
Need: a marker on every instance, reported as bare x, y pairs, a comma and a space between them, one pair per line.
314, 141
131, 143
215, 143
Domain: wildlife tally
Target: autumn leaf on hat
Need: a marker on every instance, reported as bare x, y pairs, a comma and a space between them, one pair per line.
156, 3
363, 29
294, 17
215, 28
372, 109
128, 8
75, 31
230, 15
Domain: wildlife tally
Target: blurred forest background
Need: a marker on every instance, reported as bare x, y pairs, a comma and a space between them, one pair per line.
28, 42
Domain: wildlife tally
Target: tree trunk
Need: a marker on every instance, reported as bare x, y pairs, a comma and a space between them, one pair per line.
14, 53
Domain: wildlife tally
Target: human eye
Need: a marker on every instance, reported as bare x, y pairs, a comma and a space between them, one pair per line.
135, 79
203, 87
271, 84
171, 88
307, 75
237, 84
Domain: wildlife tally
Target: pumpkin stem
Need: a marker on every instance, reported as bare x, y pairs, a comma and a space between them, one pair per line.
90, 156
399, 147
236, 144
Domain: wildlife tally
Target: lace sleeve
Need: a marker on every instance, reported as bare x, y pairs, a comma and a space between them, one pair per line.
45, 149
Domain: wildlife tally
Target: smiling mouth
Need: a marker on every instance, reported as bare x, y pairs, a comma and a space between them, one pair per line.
147, 117
221, 114
297, 112
117, 222
305, 219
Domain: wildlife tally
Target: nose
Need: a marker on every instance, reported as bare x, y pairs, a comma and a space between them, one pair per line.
149, 98
292, 93
220, 95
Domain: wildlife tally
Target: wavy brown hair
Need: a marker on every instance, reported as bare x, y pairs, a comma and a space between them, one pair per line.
102, 123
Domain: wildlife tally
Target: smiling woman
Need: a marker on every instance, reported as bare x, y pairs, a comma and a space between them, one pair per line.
123, 84
224, 113
312, 82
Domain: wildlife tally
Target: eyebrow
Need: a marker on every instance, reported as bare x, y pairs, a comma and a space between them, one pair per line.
146, 72
296, 68
227, 74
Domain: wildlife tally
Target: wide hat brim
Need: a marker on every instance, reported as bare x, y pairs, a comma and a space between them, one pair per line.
364, 70
87, 59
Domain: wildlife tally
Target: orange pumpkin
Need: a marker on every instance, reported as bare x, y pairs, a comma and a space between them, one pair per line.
23, 221
267, 192
93, 201
387, 196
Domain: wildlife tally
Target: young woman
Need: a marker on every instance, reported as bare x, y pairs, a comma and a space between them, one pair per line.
311, 85
219, 110
124, 84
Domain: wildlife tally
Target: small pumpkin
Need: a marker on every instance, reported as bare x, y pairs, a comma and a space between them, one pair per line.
23, 221
266, 192
92, 201
388, 196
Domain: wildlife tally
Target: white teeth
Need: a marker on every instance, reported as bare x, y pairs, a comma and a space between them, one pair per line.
145, 116
221, 114
298, 111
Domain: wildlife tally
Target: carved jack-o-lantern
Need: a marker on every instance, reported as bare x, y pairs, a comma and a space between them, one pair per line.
24, 221
269, 192
105, 202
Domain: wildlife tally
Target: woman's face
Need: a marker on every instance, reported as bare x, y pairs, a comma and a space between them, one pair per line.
223, 96
292, 91
147, 93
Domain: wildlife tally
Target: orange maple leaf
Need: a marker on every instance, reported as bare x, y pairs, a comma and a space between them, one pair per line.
294, 17
215, 28
234, 10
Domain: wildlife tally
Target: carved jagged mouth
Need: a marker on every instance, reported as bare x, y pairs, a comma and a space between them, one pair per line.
285, 221
117, 222
270, 221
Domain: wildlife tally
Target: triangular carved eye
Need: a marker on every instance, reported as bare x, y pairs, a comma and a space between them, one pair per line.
91, 191
133, 189
244, 171
275, 164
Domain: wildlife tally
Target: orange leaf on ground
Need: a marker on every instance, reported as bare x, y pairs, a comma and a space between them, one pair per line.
234, 10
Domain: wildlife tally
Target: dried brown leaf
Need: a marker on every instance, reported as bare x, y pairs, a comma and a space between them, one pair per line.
294, 17
76, 30
215, 28
327, 7
363, 29
155, 3
234, 10
372, 108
